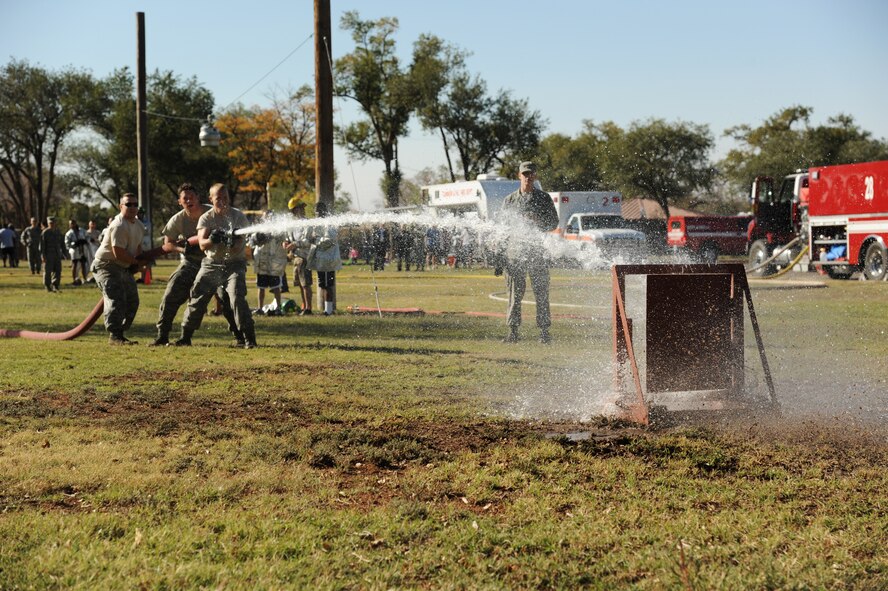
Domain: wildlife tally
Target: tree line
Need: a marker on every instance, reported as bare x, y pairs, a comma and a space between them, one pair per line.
67, 139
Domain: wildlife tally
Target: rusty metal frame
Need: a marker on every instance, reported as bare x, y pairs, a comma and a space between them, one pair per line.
623, 349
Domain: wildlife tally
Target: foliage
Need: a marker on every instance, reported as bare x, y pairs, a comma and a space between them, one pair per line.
373, 77
39, 110
662, 160
106, 163
487, 132
273, 146
654, 158
787, 141
573, 164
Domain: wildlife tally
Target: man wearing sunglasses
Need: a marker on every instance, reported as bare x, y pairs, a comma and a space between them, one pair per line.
114, 266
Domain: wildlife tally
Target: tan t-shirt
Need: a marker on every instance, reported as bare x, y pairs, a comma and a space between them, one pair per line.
233, 220
123, 234
182, 225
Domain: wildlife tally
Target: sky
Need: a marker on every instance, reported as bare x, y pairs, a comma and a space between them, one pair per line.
709, 62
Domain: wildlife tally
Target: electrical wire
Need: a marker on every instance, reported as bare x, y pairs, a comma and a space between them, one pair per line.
280, 63
255, 84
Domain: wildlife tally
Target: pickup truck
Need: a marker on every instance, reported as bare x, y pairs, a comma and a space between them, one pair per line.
708, 236
607, 232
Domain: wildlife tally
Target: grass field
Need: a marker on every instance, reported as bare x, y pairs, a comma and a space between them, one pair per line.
420, 452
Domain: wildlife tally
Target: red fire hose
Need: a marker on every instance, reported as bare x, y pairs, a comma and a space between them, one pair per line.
88, 321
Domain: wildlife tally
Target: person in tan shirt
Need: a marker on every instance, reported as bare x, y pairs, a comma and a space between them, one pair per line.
114, 266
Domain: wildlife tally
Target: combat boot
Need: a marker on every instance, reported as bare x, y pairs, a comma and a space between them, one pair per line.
250, 339
185, 339
162, 340
512, 336
117, 338
545, 338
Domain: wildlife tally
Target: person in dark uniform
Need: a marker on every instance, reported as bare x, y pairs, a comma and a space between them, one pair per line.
52, 244
31, 240
533, 207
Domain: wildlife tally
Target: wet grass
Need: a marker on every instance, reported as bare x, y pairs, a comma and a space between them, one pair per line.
354, 452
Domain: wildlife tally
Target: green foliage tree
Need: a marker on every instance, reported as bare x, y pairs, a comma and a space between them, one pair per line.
487, 132
573, 164
106, 163
786, 141
661, 160
373, 77
39, 110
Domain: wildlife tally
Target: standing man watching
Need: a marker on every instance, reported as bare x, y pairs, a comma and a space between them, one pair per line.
327, 259
31, 240
51, 244
75, 240
534, 208
114, 266
297, 243
223, 269
180, 227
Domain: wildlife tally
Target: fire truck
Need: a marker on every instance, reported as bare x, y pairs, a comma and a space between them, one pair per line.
839, 212
706, 237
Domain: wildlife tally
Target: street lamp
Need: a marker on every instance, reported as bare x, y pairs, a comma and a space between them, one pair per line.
209, 135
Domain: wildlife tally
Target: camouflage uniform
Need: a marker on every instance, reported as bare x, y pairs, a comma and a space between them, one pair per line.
528, 258
223, 271
52, 244
31, 240
178, 288
114, 278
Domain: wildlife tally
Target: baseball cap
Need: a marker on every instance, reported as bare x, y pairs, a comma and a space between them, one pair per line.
527, 166
295, 203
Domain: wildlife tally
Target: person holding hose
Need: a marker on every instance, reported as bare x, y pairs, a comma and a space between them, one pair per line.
223, 269
179, 228
114, 266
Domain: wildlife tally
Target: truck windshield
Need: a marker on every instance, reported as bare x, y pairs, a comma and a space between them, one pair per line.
787, 191
603, 222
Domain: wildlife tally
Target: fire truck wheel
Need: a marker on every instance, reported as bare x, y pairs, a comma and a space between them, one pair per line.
759, 252
874, 262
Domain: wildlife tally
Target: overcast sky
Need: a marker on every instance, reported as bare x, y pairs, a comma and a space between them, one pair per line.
709, 62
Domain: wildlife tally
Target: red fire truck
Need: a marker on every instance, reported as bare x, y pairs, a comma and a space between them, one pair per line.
839, 212
706, 237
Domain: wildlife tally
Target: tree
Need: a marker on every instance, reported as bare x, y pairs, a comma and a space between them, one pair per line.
271, 146
435, 62
373, 77
573, 164
39, 110
662, 160
486, 131
106, 162
786, 141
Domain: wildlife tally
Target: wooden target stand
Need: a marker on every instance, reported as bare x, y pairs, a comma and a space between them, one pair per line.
694, 340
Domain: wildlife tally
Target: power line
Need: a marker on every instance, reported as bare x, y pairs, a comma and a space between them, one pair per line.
289, 55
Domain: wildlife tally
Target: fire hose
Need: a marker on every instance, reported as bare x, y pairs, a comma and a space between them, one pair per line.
776, 254
788, 267
87, 323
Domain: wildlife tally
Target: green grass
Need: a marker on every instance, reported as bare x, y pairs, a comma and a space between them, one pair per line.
420, 452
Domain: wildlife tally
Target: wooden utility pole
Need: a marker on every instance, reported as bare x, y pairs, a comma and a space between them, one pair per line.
142, 127
323, 104
324, 115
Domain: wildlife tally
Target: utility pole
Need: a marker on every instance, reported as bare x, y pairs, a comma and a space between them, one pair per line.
142, 128
323, 104
324, 115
